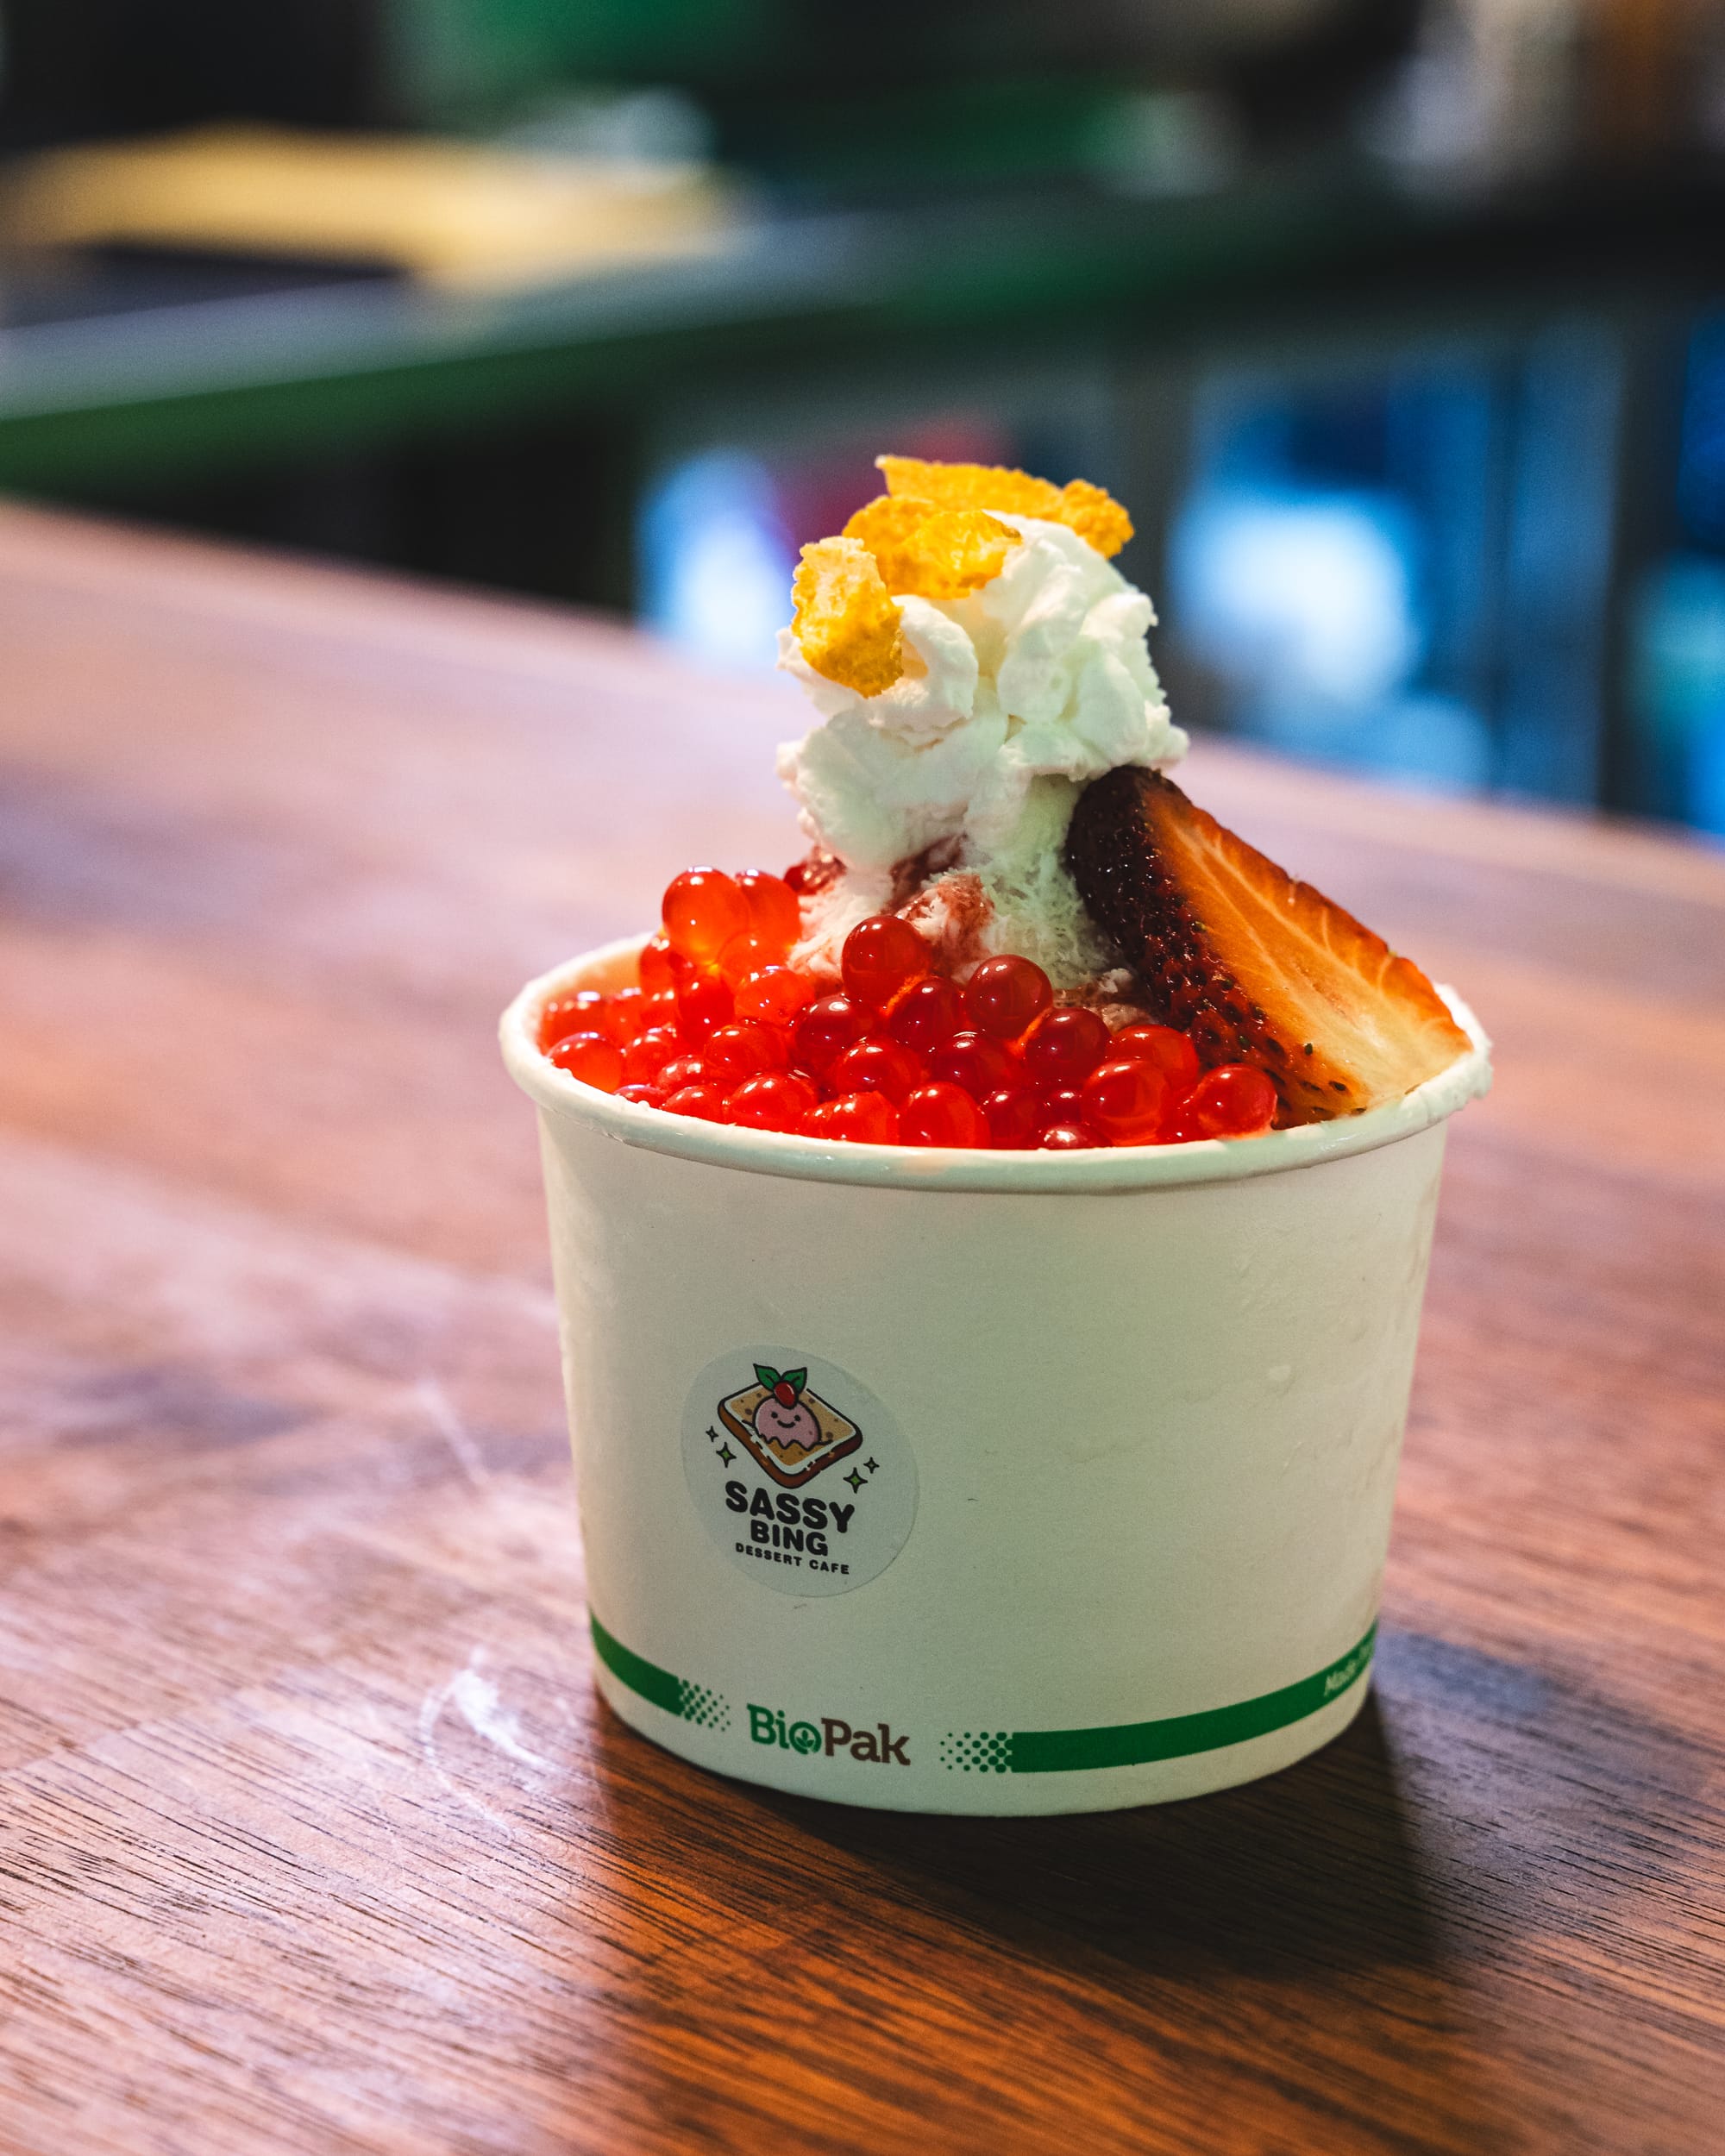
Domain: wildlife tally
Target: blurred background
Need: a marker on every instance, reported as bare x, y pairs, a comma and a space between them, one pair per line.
1399, 324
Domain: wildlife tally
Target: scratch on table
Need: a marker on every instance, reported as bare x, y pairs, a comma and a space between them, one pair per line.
475, 1698
440, 1412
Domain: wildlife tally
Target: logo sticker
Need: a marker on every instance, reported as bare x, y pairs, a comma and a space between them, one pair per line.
798, 1473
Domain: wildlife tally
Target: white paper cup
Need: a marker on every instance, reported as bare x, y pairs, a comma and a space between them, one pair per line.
1084, 1498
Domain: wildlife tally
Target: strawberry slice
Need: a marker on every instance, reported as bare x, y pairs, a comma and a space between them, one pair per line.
1257, 967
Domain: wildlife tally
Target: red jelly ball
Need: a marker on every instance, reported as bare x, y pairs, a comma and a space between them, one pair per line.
732, 1053
1064, 1047
973, 1060
655, 967
775, 1100
816, 871
1179, 1130
1172, 1053
1060, 1104
826, 1029
928, 1013
703, 910
1015, 1118
582, 1012
1067, 1137
860, 1119
648, 1054
1233, 1101
774, 995
659, 1007
624, 1015
774, 912
942, 1114
707, 1101
877, 1066
681, 1070
1004, 995
704, 1001
881, 956
594, 1058
748, 954
642, 1096
1125, 1100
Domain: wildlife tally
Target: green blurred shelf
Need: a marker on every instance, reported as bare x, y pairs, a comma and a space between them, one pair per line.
229, 383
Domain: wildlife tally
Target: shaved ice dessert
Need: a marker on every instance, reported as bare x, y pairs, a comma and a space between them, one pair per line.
1011, 928
1073, 1478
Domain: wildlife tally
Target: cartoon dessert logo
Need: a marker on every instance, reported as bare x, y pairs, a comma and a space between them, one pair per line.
785, 1428
751, 1450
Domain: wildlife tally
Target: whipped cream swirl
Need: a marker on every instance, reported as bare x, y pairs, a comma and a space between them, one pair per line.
1011, 700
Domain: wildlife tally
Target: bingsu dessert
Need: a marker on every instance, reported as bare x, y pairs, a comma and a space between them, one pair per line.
1011, 928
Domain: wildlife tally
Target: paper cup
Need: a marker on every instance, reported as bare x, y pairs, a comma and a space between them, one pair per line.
979, 1481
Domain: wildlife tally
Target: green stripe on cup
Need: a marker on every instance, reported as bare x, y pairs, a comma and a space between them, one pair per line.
1174, 1737
677, 1695
1037, 1750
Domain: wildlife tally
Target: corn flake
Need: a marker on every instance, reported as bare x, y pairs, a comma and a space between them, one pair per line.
1086, 509
971, 485
887, 526
935, 553
845, 620
957, 551
1095, 516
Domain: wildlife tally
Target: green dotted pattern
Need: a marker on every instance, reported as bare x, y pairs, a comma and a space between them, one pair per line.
706, 1710
1174, 1737
986, 1751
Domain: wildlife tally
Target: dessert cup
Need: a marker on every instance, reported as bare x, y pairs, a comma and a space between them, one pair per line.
1091, 1498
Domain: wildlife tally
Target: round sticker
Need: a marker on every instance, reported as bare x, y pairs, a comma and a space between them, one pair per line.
798, 1473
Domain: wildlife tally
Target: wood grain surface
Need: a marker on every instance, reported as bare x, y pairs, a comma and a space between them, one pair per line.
313, 1834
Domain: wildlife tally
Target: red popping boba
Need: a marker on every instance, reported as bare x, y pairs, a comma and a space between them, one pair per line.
882, 956
1006, 996
1064, 1047
926, 1013
857, 1118
703, 909
775, 1100
774, 913
722, 1027
875, 1065
1125, 1100
943, 1114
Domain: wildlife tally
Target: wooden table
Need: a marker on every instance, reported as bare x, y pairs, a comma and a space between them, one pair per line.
315, 1836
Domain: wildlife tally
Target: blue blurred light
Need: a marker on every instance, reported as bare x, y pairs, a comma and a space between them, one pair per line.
1701, 454
1301, 601
1304, 603
1706, 776
1679, 671
715, 560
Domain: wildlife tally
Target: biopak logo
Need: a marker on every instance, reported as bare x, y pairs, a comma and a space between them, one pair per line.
878, 1745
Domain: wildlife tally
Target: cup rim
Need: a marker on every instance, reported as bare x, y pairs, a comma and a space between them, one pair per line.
1110, 1169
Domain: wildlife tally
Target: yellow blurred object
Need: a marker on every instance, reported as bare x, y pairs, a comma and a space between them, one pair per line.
454, 215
